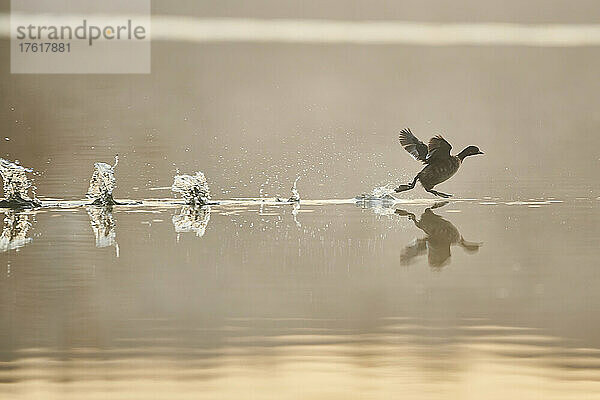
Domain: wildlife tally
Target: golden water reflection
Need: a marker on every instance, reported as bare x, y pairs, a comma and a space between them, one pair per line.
404, 359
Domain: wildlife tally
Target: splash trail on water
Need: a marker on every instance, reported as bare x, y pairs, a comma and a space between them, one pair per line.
194, 191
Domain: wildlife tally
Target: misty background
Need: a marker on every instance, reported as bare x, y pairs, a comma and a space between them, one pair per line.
254, 116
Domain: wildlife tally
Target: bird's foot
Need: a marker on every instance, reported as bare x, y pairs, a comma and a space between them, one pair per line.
403, 188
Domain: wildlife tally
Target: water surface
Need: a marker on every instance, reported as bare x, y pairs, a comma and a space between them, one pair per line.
336, 301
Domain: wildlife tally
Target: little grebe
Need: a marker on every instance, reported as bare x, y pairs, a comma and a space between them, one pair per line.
440, 165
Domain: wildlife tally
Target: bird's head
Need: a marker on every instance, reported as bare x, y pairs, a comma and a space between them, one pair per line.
469, 151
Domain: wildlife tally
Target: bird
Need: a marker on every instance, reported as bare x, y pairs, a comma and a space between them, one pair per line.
440, 165
441, 235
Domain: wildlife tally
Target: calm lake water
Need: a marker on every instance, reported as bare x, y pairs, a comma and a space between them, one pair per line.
336, 301
330, 300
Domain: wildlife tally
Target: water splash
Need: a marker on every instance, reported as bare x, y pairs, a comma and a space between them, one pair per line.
16, 186
380, 200
103, 183
295, 194
103, 225
192, 188
192, 219
14, 233
378, 194
382, 192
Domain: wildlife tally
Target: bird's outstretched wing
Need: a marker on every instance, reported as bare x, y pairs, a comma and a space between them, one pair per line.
414, 146
438, 148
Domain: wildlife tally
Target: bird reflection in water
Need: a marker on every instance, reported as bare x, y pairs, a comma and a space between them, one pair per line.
441, 235
103, 225
15, 230
192, 219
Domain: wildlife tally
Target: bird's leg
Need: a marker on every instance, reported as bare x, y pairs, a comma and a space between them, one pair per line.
440, 194
403, 188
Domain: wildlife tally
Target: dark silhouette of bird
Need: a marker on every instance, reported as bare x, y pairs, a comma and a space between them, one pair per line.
441, 235
440, 165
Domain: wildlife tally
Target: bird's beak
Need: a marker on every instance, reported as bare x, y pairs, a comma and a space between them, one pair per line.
481, 152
